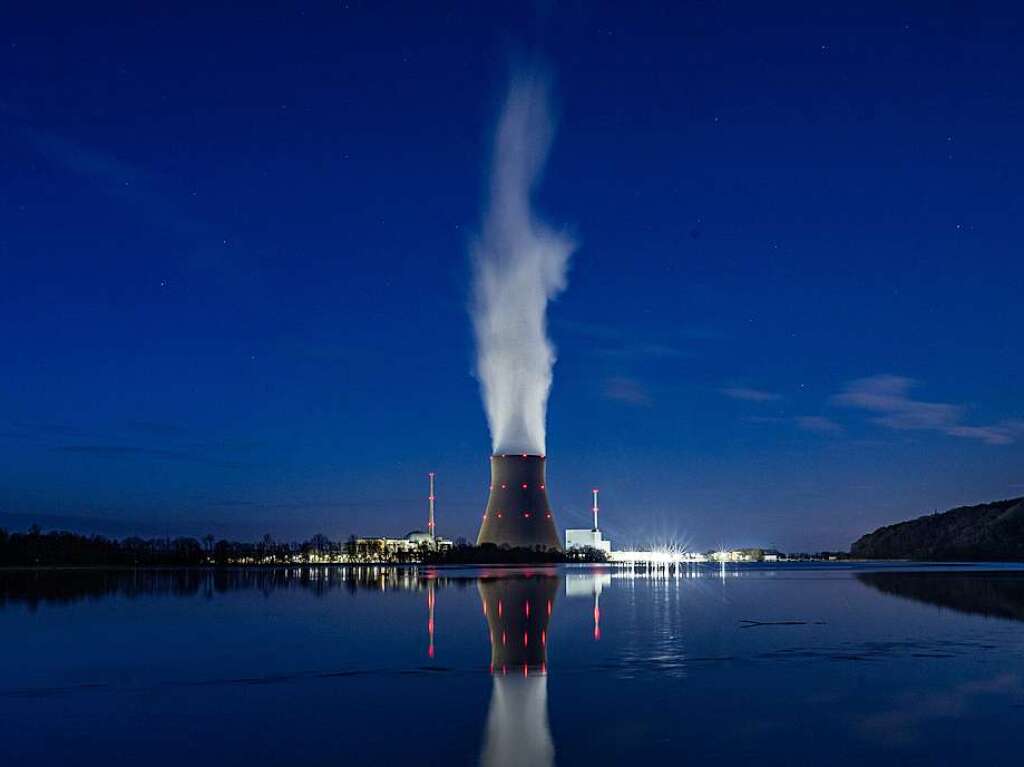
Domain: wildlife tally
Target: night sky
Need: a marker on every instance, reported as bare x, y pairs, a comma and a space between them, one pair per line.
235, 270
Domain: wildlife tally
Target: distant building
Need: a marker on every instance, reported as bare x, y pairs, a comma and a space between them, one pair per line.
745, 555
581, 538
420, 538
578, 539
387, 549
407, 549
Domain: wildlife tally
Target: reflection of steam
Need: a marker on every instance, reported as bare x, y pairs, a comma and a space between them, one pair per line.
517, 723
518, 612
519, 265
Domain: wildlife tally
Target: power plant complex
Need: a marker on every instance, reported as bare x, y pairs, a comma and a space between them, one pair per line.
518, 513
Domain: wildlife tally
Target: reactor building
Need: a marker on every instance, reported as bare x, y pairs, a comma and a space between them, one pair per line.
584, 538
518, 513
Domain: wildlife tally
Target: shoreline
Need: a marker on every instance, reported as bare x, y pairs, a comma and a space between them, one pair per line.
504, 565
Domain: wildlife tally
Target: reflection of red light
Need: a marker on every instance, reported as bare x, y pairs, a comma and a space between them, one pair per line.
526, 639
525, 486
502, 637
431, 599
597, 623
543, 638
499, 608
502, 668
526, 514
548, 516
542, 487
526, 670
527, 609
485, 607
543, 668
549, 608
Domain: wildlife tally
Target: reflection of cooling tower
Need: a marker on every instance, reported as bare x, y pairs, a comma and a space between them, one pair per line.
517, 512
518, 611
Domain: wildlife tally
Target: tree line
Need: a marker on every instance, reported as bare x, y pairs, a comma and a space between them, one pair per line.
65, 549
61, 548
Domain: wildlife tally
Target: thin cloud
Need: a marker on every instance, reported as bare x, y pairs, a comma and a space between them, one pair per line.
628, 390
131, 185
889, 398
817, 424
633, 351
1002, 433
611, 341
129, 451
750, 395
84, 160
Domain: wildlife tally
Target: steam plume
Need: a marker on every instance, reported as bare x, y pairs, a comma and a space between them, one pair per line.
519, 265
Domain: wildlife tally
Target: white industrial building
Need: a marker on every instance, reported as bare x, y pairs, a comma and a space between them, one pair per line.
588, 538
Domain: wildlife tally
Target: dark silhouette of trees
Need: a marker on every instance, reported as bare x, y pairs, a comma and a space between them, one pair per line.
38, 549
63, 549
986, 532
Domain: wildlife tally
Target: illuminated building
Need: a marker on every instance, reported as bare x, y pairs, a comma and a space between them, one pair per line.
583, 538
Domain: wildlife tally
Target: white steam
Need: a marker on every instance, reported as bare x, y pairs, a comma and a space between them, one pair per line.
519, 265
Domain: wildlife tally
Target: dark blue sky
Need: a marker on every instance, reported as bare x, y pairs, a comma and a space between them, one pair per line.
235, 274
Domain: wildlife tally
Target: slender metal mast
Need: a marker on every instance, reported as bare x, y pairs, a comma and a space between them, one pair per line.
595, 509
430, 515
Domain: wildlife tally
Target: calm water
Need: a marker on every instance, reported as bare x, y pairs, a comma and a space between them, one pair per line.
784, 665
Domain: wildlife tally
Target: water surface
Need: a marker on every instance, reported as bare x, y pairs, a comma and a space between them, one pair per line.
781, 665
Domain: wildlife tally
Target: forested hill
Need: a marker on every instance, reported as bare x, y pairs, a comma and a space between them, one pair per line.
987, 532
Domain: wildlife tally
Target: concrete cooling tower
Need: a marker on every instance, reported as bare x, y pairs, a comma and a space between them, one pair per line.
518, 513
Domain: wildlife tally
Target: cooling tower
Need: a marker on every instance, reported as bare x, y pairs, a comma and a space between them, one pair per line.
517, 511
